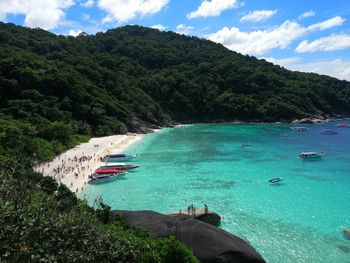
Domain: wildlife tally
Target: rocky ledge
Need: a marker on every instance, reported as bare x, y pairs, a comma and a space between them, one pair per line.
208, 243
202, 214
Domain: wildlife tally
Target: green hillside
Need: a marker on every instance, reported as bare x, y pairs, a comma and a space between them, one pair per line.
103, 84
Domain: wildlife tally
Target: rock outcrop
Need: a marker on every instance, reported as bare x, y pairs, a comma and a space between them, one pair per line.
306, 121
311, 121
208, 243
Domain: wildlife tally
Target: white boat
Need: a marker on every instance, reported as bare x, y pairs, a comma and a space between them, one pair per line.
310, 155
328, 132
120, 166
102, 178
275, 180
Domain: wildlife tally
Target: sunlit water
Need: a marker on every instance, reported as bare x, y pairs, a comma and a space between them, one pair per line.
300, 220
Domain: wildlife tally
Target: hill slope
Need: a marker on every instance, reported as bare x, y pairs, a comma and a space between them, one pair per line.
100, 84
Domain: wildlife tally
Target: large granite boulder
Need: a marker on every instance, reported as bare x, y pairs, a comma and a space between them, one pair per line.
306, 121
211, 218
208, 243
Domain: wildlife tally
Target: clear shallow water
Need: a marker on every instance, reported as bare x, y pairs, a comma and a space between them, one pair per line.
300, 220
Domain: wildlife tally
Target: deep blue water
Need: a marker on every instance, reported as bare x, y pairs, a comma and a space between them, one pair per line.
300, 220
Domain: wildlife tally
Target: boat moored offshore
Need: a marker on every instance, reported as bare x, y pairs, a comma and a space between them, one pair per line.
343, 125
275, 180
310, 155
328, 132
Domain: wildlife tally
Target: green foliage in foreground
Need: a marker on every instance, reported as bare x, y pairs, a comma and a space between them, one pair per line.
41, 221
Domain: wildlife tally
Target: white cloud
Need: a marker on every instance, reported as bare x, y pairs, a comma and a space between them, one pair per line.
88, 4
258, 15
335, 21
125, 10
212, 8
85, 17
336, 68
159, 27
74, 33
282, 61
346, 73
258, 42
261, 41
183, 29
307, 14
332, 42
37, 13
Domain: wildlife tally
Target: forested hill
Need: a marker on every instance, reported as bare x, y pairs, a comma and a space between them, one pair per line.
104, 83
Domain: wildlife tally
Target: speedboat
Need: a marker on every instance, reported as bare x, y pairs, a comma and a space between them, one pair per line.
343, 125
119, 156
105, 175
119, 166
102, 178
300, 129
275, 180
310, 155
329, 132
110, 171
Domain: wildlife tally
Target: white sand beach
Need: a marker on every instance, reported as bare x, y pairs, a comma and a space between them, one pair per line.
73, 167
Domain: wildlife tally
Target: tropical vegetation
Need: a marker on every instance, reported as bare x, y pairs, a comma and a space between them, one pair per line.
58, 91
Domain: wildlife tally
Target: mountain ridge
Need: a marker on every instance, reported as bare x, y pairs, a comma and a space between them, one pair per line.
133, 76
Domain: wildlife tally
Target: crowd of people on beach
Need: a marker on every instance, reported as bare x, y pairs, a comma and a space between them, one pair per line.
71, 169
74, 168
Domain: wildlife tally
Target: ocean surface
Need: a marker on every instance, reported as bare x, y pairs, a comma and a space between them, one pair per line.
299, 220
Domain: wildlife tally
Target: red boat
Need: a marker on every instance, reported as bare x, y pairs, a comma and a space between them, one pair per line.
343, 125
107, 171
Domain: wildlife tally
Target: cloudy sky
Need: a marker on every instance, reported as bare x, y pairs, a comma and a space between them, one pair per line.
312, 36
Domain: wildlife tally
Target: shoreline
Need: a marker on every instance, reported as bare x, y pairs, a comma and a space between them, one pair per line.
313, 121
74, 166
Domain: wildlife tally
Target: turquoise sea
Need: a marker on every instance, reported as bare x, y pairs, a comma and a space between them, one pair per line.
300, 220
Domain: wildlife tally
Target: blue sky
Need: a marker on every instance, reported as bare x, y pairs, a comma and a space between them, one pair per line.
311, 36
